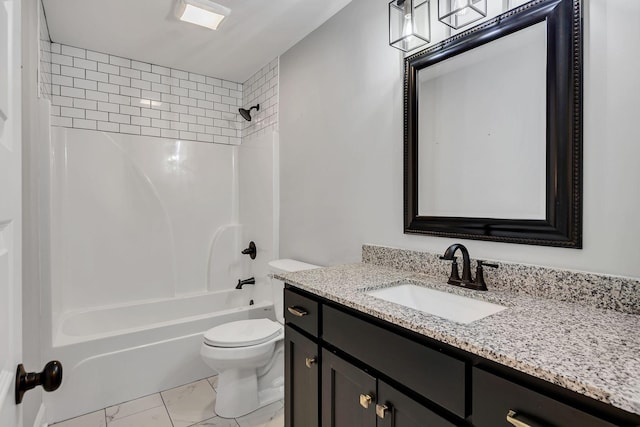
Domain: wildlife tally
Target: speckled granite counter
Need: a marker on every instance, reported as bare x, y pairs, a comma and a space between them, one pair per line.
591, 351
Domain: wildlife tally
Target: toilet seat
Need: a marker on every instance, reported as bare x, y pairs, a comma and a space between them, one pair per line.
242, 333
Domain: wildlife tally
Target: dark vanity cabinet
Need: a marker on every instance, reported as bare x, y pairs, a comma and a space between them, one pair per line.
344, 368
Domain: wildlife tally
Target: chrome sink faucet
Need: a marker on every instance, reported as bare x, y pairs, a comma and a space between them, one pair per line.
466, 281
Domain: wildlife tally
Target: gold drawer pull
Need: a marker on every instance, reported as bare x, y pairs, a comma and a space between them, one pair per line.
511, 419
381, 411
365, 400
310, 361
297, 311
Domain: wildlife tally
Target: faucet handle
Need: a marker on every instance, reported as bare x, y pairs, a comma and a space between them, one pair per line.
482, 263
480, 283
454, 277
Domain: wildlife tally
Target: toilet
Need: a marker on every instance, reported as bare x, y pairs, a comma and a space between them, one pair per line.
249, 354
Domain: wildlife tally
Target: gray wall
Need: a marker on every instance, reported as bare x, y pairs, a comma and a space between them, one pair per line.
341, 145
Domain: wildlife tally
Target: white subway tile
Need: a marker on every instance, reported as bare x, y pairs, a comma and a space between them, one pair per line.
176, 108
203, 137
84, 124
166, 115
133, 111
62, 80
73, 51
140, 84
98, 115
85, 84
179, 74
62, 121
97, 76
108, 127
85, 63
213, 114
108, 107
72, 92
184, 100
153, 96
55, 110
213, 81
159, 87
230, 85
128, 72
205, 104
235, 94
221, 107
55, 68
188, 135
234, 140
134, 130
142, 66
197, 128
229, 116
148, 131
213, 98
150, 77
186, 84
197, 78
85, 104
168, 133
65, 70
108, 87
195, 111
55, 48
62, 101
221, 139
179, 91
72, 112
106, 68
130, 91
97, 96
171, 81
97, 56
165, 97
158, 123
61, 59
162, 106
186, 118
119, 80
229, 132
221, 123
206, 121
122, 62
119, 118
147, 112
119, 99
205, 88
221, 91
217, 131
179, 126
141, 121
157, 69
196, 94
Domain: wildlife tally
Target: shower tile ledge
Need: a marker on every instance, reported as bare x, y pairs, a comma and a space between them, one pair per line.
591, 351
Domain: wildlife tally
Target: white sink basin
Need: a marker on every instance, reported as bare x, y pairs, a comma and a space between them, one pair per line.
442, 304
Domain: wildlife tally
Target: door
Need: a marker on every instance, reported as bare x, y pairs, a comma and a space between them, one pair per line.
348, 394
10, 210
302, 380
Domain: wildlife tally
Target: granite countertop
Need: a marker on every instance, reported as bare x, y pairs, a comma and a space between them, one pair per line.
588, 350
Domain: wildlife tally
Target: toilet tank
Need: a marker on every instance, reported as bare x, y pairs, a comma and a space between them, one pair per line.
284, 266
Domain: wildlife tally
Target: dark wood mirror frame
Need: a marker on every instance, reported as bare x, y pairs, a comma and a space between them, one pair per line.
563, 223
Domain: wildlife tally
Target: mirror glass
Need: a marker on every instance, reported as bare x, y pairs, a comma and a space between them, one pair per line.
482, 130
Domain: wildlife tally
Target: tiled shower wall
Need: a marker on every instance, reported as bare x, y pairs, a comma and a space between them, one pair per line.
92, 90
261, 88
44, 76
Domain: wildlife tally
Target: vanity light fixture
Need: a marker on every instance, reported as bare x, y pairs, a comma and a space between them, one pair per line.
458, 13
409, 24
202, 12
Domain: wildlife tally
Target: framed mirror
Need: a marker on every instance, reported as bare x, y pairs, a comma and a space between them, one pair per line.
493, 130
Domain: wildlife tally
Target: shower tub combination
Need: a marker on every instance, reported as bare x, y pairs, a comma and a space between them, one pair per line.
114, 354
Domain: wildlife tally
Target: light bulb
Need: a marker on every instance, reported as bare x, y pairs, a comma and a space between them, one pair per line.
407, 27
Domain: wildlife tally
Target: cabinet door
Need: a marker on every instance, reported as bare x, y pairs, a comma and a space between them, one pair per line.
302, 380
395, 409
348, 394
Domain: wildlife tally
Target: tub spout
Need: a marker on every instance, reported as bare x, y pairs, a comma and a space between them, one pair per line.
249, 281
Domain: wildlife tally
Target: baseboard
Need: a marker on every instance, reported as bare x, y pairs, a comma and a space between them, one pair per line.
41, 418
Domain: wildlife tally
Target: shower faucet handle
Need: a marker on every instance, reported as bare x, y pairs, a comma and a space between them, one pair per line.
251, 250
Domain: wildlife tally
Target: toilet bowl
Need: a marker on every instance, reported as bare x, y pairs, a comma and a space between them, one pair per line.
249, 354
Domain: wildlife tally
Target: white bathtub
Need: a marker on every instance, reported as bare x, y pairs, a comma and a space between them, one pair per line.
117, 353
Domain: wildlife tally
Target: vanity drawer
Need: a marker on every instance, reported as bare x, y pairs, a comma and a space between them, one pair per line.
494, 397
301, 312
434, 375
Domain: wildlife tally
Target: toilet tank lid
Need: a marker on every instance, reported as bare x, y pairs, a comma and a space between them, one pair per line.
289, 265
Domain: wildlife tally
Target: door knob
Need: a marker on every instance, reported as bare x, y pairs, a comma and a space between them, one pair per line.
50, 379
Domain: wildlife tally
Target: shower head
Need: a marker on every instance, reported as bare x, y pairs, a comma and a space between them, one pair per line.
246, 114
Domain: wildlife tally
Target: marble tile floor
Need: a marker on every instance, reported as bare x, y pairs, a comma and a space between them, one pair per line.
190, 405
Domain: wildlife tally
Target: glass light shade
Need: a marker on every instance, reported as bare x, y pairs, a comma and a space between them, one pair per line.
409, 24
458, 13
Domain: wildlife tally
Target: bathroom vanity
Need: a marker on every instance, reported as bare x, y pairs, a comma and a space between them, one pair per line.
355, 360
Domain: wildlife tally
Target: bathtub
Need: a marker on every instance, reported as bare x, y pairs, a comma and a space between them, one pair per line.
113, 354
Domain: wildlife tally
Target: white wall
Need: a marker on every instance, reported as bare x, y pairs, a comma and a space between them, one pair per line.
341, 144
